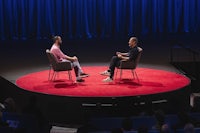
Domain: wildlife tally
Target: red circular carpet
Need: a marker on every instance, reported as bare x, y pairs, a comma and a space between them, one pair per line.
152, 81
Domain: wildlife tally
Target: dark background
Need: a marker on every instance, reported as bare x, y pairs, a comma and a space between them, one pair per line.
79, 19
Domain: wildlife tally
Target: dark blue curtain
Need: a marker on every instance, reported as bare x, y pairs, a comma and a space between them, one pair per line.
25, 19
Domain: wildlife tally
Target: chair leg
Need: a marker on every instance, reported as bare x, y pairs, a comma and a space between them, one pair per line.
70, 76
137, 77
132, 71
116, 74
52, 77
57, 75
120, 74
49, 73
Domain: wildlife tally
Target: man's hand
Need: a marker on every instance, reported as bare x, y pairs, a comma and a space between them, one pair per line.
117, 53
119, 56
122, 57
123, 54
74, 58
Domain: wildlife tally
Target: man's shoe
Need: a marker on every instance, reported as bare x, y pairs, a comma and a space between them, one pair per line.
108, 79
84, 75
105, 73
80, 80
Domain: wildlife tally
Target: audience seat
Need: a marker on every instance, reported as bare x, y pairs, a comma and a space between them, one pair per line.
171, 120
107, 123
101, 132
6, 130
197, 130
110, 132
148, 121
195, 116
26, 122
153, 131
130, 132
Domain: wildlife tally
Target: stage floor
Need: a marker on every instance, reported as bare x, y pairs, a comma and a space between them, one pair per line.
152, 81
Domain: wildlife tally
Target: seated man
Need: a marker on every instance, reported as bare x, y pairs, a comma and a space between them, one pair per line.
115, 61
60, 56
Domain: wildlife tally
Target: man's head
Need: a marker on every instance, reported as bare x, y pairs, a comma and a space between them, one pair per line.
184, 117
160, 116
127, 124
57, 40
143, 129
165, 129
189, 128
133, 42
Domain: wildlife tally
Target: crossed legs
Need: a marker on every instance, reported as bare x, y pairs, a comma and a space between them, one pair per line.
115, 61
78, 71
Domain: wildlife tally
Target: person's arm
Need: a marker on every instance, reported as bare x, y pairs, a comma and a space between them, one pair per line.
60, 54
125, 58
71, 58
123, 54
133, 54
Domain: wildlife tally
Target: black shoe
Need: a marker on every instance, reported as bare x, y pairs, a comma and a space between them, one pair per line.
80, 80
84, 75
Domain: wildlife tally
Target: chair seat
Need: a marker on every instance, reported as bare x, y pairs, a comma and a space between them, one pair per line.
127, 65
130, 65
58, 66
63, 66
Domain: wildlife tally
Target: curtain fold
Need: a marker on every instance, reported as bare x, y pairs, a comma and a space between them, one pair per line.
39, 19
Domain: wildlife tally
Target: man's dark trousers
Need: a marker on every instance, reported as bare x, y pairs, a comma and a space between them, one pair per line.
115, 62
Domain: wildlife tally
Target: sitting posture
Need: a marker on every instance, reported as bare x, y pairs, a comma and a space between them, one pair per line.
61, 57
115, 61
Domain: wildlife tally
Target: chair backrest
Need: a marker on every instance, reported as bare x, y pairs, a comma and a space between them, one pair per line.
131, 64
138, 57
52, 59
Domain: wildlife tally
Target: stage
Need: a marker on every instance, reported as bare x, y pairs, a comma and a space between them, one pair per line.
161, 85
94, 31
151, 81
